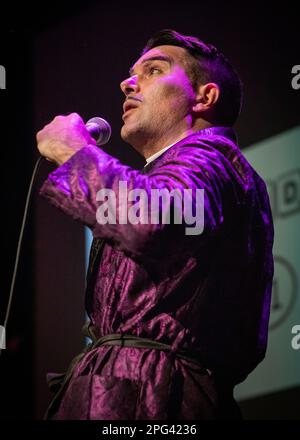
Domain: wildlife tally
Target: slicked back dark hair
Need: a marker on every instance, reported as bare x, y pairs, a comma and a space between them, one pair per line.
206, 64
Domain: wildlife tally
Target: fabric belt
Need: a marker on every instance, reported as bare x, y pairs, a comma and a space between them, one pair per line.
58, 382
125, 340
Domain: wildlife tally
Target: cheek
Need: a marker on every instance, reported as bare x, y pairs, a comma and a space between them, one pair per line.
174, 94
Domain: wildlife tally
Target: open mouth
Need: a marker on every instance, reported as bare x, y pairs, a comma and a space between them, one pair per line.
128, 107
130, 104
128, 110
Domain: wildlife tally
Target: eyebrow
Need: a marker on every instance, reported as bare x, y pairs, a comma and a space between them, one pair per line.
154, 58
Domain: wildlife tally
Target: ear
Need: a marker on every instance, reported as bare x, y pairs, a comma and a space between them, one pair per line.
206, 97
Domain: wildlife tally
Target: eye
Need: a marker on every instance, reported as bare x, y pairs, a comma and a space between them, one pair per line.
154, 69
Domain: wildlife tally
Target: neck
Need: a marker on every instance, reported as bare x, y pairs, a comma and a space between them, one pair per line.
154, 145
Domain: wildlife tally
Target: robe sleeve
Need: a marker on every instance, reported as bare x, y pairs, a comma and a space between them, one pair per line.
77, 185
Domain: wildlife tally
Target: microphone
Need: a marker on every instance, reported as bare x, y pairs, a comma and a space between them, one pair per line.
99, 129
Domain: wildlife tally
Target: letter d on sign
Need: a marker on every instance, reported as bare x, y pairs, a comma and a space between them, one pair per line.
2, 338
2, 77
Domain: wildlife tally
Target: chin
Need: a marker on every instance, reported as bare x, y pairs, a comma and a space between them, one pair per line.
126, 136
130, 135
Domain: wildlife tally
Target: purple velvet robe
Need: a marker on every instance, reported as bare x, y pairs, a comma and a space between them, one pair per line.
208, 292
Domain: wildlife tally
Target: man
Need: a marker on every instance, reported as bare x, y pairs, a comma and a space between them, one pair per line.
177, 320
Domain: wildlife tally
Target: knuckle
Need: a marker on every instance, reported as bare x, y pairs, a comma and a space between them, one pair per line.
58, 118
40, 134
75, 118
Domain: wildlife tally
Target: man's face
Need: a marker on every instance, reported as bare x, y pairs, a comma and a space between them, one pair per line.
159, 97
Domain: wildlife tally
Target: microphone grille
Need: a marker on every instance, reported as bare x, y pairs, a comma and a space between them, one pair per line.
99, 129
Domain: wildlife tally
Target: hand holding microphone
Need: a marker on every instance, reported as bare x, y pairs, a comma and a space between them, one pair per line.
57, 142
66, 135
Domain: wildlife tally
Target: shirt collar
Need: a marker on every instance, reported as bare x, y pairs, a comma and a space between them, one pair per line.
157, 154
227, 132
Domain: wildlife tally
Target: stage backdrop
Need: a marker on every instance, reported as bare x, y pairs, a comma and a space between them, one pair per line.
277, 160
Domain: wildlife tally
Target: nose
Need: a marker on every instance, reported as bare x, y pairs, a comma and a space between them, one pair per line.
129, 85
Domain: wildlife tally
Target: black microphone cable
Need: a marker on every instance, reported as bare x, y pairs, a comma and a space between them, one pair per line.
20, 241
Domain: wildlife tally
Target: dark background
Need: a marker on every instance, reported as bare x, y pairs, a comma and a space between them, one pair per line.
65, 57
